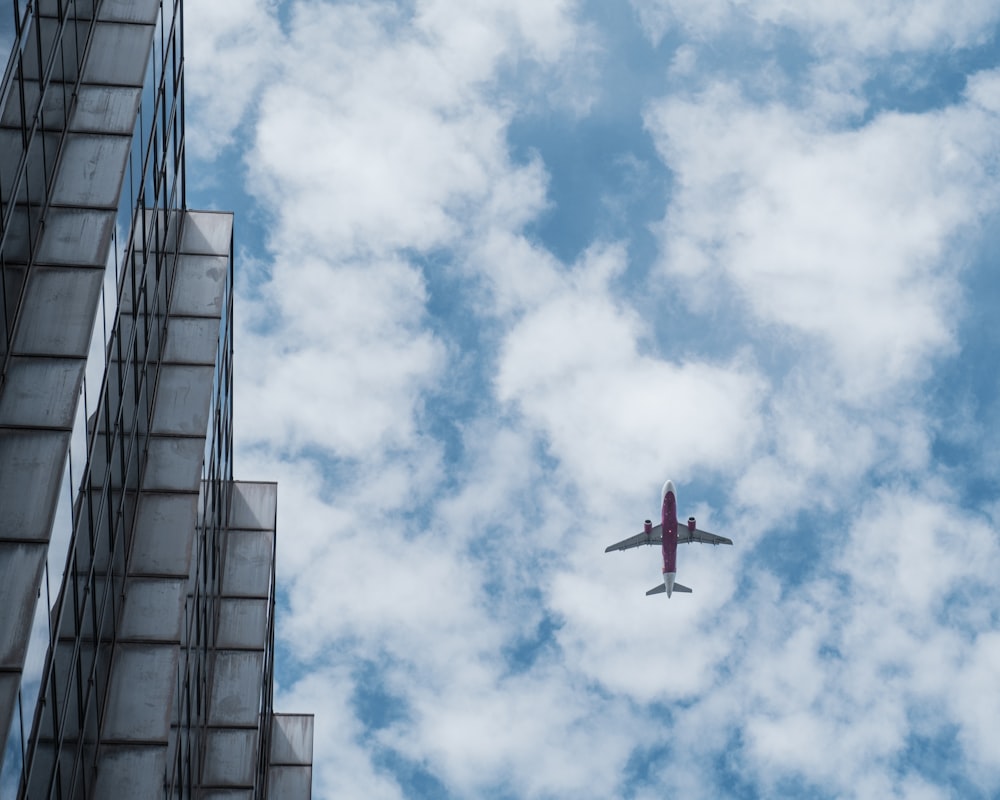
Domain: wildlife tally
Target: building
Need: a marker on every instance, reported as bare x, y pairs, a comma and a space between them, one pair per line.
136, 576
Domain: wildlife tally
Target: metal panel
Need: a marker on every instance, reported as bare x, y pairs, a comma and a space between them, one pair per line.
153, 609
242, 623
144, 268
132, 772
192, 340
166, 222
164, 534
230, 757
60, 305
41, 392
15, 248
65, 67
141, 692
254, 505
292, 739
105, 109
119, 54
290, 783
125, 455
246, 568
9, 684
183, 397
236, 688
28, 482
129, 10
199, 285
53, 110
207, 233
82, 9
91, 171
77, 236
20, 573
11, 148
174, 464
102, 509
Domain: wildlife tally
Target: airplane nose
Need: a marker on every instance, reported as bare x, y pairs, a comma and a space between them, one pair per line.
668, 487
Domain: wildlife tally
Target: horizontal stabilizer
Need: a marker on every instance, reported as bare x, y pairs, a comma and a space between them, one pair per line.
678, 587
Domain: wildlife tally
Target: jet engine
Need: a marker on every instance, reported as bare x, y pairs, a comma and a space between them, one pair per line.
691, 524
648, 527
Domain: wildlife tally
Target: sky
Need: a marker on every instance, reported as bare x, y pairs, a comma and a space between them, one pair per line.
504, 267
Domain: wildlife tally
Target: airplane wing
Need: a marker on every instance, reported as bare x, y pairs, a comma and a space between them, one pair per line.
655, 536
685, 535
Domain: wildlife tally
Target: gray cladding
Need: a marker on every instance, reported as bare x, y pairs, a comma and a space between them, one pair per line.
157, 627
59, 188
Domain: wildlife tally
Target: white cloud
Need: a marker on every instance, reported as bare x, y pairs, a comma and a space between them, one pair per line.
398, 135
231, 47
381, 163
829, 682
538, 734
852, 26
353, 358
573, 367
848, 238
342, 765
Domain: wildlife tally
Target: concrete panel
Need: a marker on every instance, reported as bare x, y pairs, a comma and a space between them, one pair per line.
153, 609
242, 623
292, 739
106, 109
290, 783
132, 772
207, 233
230, 758
91, 170
143, 677
41, 392
31, 472
192, 340
254, 505
236, 687
183, 397
20, 575
174, 464
60, 306
199, 286
247, 563
119, 53
164, 534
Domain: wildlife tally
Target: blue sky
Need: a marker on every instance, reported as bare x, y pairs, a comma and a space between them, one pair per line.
507, 265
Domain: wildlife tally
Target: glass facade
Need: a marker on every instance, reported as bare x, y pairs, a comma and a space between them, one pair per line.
136, 657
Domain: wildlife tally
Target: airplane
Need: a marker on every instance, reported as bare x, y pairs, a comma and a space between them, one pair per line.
668, 534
